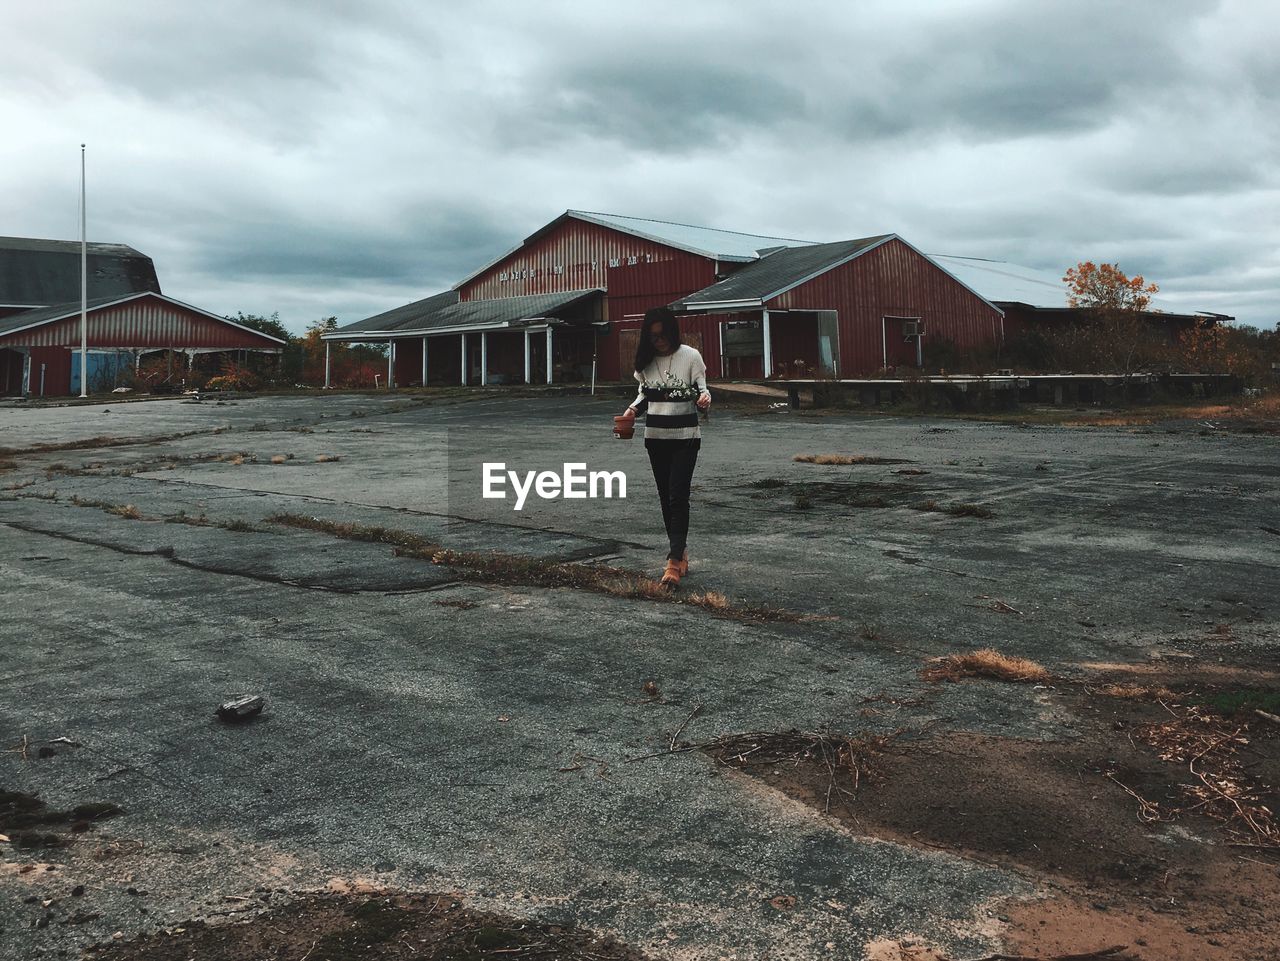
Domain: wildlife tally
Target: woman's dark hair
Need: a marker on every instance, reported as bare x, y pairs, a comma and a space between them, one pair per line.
661, 316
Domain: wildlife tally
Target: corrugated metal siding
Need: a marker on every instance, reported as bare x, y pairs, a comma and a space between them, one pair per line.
892, 280
576, 256
141, 323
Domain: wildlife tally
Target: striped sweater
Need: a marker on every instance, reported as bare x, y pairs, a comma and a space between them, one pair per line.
669, 389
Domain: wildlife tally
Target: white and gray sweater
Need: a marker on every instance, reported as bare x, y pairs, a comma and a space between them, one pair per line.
669, 390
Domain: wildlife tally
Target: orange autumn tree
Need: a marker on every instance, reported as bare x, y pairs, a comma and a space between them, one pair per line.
1104, 288
1117, 336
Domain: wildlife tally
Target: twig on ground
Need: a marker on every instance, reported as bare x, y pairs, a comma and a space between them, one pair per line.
680, 730
1117, 952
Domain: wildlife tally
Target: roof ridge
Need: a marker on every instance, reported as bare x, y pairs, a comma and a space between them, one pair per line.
676, 223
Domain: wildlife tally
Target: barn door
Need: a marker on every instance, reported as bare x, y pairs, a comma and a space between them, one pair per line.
628, 339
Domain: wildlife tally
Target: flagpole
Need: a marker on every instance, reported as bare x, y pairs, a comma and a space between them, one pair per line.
84, 288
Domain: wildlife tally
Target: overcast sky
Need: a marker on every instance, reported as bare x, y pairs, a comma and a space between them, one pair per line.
341, 158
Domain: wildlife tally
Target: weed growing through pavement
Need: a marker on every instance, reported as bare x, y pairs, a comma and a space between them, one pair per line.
846, 459
496, 567
127, 511
201, 520
955, 510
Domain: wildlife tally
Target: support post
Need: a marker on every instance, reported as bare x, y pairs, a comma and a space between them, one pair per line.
768, 344
720, 329
528, 359
391, 364
327, 364
463, 338
549, 345
424, 362
484, 358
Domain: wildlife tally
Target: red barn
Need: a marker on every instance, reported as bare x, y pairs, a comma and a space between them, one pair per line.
573, 293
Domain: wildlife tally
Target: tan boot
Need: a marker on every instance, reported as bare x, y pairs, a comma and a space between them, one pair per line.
684, 563
671, 575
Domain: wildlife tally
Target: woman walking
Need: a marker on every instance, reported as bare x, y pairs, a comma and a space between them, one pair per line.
673, 388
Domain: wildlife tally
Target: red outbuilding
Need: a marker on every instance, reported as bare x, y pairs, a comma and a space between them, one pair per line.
126, 317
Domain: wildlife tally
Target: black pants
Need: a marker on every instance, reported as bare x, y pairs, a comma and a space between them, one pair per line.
673, 462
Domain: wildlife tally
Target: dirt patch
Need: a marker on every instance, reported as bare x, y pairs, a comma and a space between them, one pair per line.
860, 494
31, 825
331, 927
1067, 813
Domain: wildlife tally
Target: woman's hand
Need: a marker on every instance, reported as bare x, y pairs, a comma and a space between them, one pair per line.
704, 401
629, 413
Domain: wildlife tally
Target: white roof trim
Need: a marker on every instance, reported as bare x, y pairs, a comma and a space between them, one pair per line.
525, 323
75, 311
713, 305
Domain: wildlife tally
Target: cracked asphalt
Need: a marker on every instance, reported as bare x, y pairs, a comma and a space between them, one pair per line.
497, 744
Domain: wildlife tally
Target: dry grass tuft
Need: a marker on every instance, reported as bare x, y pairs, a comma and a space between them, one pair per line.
713, 600
279, 459
328, 458
986, 663
1138, 692
125, 510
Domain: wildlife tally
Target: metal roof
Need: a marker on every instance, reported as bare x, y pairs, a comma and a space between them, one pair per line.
36, 273
410, 316
44, 315
779, 272
707, 241
1001, 281
444, 312
41, 316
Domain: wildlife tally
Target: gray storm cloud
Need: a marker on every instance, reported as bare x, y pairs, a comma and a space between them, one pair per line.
343, 158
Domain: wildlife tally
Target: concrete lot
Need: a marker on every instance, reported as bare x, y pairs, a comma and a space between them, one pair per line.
487, 747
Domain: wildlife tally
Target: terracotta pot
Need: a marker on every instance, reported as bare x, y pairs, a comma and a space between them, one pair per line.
624, 428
